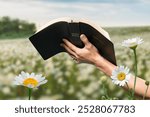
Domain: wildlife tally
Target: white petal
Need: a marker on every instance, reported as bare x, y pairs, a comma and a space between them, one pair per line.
23, 75
114, 72
113, 76
18, 79
32, 75
30, 86
27, 75
38, 76
128, 77
122, 83
126, 70
39, 79
43, 82
121, 68
116, 82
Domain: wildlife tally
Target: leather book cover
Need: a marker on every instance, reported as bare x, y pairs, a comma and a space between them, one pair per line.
47, 40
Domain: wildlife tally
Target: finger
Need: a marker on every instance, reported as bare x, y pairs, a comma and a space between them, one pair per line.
84, 39
72, 56
75, 59
68, 50
70, 45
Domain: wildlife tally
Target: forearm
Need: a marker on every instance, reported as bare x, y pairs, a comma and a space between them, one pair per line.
107, 67
140, 86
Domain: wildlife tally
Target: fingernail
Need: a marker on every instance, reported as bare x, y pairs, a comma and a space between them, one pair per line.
61, 44
82, 36
63, 39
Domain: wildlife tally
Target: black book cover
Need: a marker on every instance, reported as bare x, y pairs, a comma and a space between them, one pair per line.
47, 41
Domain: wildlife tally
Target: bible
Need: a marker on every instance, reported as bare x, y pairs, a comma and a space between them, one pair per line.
47, 40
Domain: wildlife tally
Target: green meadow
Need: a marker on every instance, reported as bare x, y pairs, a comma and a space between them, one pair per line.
66, 79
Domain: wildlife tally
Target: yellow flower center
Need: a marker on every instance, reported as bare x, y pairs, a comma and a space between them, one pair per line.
121, 76
30, 81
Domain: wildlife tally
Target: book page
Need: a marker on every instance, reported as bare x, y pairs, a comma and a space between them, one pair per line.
76, 20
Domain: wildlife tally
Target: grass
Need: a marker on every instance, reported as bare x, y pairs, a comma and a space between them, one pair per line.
67, 80
120, 33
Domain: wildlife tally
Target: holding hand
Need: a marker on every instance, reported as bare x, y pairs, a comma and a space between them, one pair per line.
88, 54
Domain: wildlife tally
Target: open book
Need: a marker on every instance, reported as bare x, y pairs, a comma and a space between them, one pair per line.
47, 39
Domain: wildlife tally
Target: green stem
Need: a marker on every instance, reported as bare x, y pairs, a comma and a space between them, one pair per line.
127, 86
145, 92
135, 70
130, 93
105, 92
29, 93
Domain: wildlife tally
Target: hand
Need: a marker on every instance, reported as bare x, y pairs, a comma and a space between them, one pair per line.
88, 54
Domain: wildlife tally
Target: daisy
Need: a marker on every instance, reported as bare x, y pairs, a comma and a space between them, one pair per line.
120, 75
132, 43
29, 80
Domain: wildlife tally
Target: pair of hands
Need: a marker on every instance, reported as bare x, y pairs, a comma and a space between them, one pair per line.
88, 54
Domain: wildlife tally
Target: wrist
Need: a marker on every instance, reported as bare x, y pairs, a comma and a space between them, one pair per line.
98, 60
104, 65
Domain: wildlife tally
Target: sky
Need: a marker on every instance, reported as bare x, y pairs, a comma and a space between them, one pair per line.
103, 12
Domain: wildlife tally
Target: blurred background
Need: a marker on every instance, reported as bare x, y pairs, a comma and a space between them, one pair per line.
19, 19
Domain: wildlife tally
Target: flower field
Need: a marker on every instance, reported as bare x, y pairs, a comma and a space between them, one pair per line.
66, 79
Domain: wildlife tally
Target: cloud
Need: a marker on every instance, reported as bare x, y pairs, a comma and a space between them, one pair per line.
104, 13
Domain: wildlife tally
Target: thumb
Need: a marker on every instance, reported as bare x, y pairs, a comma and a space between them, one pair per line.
84, 39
